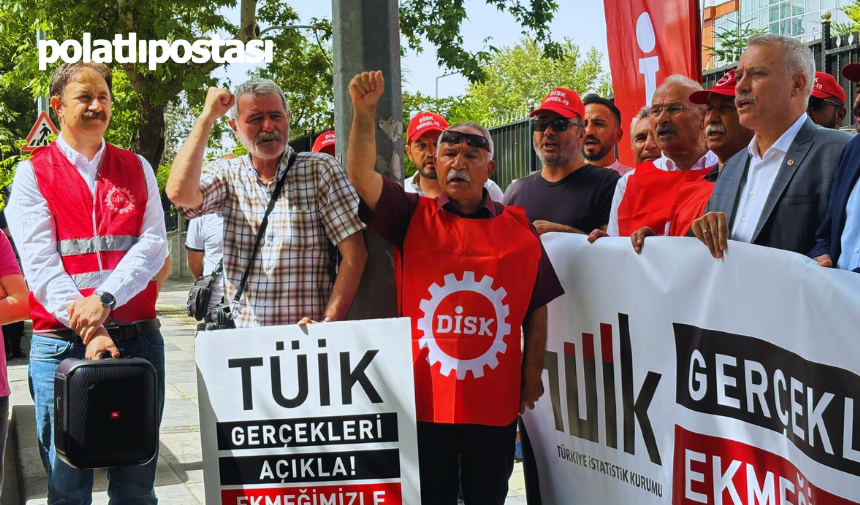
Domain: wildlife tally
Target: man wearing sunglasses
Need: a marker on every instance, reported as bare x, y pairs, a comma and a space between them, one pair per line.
567, 195
422, 139
460, 253
827, 103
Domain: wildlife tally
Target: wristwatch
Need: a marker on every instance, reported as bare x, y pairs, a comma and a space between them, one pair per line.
106, 299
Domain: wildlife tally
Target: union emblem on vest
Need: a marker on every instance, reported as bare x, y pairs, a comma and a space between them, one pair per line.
487, 323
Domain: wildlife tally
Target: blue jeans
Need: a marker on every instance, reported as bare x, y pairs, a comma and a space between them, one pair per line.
68, 485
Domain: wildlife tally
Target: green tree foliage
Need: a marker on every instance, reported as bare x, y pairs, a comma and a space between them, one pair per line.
514, 75
439, 21
729, 43
143, 98
852, 10
304, 71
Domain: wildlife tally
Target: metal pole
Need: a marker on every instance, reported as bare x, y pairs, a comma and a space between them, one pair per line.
42, 101
367, 37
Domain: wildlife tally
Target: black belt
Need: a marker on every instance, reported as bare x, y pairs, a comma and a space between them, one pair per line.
118, 333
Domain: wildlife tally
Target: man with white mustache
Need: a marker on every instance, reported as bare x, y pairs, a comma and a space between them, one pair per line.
567, 195
725, 137
288, 276
678, 130
466, 419
775, 192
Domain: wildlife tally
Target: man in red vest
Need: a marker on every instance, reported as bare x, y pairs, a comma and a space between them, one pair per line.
725, 137
470, 273
90, 229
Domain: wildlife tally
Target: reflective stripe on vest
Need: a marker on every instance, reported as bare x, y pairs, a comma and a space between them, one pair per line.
90, 245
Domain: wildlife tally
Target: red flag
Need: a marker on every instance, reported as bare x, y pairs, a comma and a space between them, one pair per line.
648, 41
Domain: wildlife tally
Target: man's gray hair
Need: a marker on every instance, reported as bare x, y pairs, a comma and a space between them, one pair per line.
798, 57
478, 126
679, 80
642, 114
256, 87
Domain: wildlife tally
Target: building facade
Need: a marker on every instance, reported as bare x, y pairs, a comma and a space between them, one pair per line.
794, 18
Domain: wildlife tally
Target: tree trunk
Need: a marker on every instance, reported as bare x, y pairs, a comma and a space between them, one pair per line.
149, 141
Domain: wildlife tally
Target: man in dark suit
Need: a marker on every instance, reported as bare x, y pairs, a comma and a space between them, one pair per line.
840, 231
838, 238
775, 192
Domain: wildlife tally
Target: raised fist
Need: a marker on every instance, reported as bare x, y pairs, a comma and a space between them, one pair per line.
218, 102
366, 89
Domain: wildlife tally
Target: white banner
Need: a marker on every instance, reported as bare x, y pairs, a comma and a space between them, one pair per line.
320, 415
672, 377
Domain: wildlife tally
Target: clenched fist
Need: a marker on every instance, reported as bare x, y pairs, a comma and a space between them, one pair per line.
218, 102
366, 89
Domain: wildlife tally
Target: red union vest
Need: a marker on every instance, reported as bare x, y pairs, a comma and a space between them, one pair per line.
651, 197
94, 233
466, 284
692, 200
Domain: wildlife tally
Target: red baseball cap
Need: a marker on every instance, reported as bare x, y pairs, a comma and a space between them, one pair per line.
324, 143
425, 122
725, 86
851, 72
561, 101
825, 86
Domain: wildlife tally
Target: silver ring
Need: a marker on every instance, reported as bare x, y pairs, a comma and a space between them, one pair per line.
706, 231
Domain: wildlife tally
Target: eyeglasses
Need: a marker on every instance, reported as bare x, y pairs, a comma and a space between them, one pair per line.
816, 103
558, 124
672, 108
455, 137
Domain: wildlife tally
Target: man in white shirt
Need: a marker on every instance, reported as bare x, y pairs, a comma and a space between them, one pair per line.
90, 229
678, 127
204, 245
775, 192
422, 137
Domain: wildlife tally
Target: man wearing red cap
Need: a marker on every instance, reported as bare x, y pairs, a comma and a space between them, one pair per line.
851, 72
422, 139
827, 104
324, 143
567, 195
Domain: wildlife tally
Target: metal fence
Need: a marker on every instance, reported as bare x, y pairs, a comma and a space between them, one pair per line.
514, 155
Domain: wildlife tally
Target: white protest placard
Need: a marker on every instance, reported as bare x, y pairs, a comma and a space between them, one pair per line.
322, 415
675, 378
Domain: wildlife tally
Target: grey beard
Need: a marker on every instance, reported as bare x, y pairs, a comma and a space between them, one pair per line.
562, 158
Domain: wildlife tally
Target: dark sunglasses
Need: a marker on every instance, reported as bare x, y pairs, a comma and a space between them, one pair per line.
558, 124
454, 137
816, 103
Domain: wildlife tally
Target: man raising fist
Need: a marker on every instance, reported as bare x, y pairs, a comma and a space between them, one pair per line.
470, 382
291, 278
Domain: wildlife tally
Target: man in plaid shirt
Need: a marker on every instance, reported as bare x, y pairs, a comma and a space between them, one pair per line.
295, 276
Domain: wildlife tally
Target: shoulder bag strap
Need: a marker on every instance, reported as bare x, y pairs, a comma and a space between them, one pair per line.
263, 225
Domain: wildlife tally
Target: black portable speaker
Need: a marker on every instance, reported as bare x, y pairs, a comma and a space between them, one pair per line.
105, 412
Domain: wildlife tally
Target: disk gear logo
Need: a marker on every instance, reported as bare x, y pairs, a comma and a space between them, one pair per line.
464, 324
120, 200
